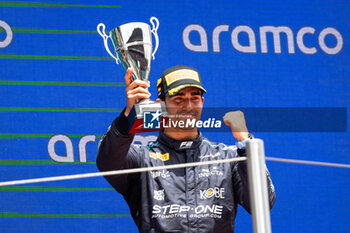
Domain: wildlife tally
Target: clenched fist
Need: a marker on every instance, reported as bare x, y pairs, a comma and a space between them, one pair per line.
237, 123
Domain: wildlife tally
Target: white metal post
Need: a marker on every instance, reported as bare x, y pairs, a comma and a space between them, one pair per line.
258, 186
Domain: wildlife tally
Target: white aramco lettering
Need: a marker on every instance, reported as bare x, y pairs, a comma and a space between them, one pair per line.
203, 45
9, 34
300, 40
330, 31
69, 157
82, 146
264, 31
251, 48
216, 34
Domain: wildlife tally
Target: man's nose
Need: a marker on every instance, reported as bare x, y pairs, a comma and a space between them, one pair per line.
188, 105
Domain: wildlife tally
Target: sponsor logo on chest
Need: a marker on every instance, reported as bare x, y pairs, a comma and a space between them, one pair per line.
157, 155
186, 144
182, 211
162, 174
212, 193
211, 171
217, 154
159, 195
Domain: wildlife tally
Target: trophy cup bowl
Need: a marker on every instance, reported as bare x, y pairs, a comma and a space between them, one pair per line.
132, 44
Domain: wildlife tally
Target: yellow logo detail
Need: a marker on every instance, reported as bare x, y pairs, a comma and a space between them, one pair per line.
157, 155
176, 89
159, 81
181, 74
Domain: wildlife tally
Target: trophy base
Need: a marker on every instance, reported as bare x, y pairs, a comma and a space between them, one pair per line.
147, 116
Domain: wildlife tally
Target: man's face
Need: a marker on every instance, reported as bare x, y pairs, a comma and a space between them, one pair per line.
188, 103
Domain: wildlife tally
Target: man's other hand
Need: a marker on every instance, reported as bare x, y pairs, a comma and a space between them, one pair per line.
237, 123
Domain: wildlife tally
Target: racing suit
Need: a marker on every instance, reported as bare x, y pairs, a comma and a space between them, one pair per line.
193, 199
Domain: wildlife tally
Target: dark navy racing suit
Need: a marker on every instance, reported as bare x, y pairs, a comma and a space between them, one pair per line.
194, 199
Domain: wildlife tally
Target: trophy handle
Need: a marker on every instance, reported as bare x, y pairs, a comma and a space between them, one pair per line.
105, 40
154, 31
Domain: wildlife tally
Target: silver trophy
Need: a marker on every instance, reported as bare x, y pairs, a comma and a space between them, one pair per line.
132, 44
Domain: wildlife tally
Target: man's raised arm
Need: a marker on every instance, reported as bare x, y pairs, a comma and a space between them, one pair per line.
115, 151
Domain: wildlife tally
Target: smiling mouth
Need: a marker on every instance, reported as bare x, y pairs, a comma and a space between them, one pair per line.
191, 114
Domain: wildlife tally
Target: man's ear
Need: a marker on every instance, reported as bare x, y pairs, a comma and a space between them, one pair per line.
202, 99
159, 100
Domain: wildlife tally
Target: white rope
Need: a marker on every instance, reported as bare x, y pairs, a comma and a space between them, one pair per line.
308, 162
118, 172
146, 169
